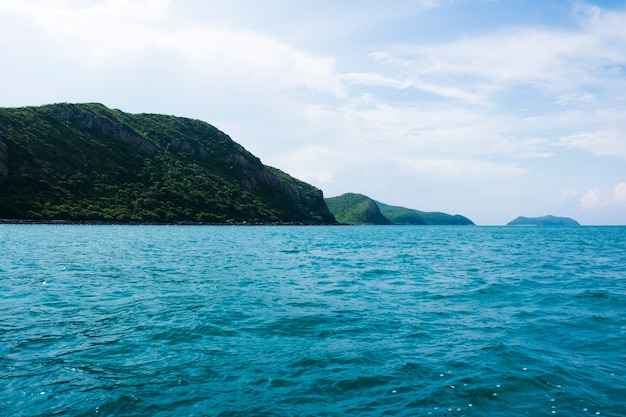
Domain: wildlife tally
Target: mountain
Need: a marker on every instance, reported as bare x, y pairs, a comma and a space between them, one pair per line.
86, 162
402, 215
356, 209
359, 209
543, 221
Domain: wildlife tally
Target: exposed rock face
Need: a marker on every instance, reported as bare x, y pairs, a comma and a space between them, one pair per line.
254, 173
107, 127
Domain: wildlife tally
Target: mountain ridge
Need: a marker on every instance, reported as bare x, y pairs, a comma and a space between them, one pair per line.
353, 208
87, 162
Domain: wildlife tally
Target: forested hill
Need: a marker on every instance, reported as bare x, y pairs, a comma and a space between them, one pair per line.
543, 221
351, 208
86, 162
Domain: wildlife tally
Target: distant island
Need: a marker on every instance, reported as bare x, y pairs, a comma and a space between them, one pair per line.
88, 163
543, 221
358, 209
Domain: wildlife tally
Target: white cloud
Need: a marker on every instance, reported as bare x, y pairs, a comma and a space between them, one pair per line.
323, 177
575, 98
112, 32
619, 194
592, 199
315, 163
96, 32
484, 65
595, 199
252, 55
603, 142
369, 93
563, 63
602, 22
459, 168
380, 80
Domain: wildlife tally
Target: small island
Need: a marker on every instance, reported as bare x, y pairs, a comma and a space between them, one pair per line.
543, 221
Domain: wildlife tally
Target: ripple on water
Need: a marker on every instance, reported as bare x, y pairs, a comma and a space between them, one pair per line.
311, 321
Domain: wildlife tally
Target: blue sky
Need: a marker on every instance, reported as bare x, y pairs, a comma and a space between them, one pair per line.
491, 109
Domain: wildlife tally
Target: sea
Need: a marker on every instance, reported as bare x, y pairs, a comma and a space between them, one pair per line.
121, 320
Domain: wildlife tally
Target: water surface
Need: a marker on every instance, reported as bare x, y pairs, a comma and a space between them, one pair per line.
310, 321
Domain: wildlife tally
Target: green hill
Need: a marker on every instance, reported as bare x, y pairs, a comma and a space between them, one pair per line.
359, 209
355, 209
402, 215
543, 221
86, 162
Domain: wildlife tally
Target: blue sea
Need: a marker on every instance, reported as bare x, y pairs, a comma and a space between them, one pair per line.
312, 321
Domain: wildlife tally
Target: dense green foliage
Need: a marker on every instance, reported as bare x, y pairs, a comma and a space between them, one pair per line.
85, 162
359, 209
355, 209
543, 221
402, 215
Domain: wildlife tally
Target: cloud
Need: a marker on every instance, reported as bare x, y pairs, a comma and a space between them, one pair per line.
619, 194
95, 32
323, 177
525, 55
495, 94
115, 32
563, 62
317, 164
253, 55
600, 143
483, 66
371, 94
460, 168
47, 13
595, 199
575, 98
379, 80
602, 22
592, 199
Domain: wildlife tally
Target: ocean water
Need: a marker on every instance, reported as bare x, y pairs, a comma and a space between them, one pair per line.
312, 321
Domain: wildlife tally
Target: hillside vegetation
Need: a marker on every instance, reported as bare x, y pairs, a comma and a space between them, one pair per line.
543, 221
403, 215
86, 162
359, 209
355, 209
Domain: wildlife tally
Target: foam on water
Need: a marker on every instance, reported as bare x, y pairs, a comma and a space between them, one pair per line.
400, 321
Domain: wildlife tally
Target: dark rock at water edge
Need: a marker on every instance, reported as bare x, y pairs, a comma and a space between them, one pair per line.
89, 163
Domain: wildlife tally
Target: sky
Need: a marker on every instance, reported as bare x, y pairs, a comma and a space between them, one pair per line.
491, 109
